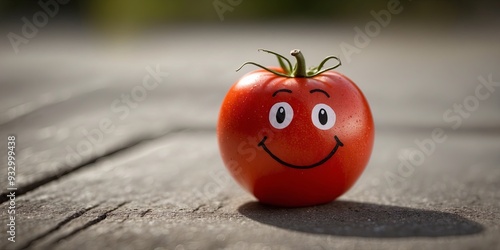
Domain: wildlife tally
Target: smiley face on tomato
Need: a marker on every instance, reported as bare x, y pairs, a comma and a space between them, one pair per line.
322, 117
295, 138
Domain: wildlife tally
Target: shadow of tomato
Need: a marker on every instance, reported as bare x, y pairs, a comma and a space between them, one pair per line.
346, 218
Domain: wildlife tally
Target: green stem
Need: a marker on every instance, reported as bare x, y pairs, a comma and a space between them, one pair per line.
299, 70
300, 67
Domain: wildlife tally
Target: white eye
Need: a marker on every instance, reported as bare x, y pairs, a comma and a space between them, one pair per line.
280, 115
323, 117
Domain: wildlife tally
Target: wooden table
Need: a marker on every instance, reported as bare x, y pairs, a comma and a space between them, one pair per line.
112, 156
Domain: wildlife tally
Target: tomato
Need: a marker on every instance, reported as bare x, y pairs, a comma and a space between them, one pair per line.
293, 137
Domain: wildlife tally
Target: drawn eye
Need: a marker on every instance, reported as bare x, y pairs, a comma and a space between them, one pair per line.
280, 115
323, 117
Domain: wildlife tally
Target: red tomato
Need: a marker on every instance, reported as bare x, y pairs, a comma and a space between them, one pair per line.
295, 138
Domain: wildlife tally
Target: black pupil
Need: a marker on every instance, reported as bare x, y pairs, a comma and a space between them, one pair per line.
322, 116
280, 115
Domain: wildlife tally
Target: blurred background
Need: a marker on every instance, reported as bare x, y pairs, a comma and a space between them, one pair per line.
113, 16
150, 12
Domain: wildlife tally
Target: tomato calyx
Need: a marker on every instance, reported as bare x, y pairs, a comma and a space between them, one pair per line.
299, 69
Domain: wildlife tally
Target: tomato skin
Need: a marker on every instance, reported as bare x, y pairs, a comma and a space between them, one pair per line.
244, 121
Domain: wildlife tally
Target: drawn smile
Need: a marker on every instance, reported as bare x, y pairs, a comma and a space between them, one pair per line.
276, 158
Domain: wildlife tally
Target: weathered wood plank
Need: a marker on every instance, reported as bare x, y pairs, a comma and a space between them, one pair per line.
59, 138
49, 98
174, 192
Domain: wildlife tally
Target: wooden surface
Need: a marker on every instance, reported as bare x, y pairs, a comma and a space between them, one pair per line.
156, 181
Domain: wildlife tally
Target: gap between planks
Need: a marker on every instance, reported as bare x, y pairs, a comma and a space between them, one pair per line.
130, 144
67, 220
